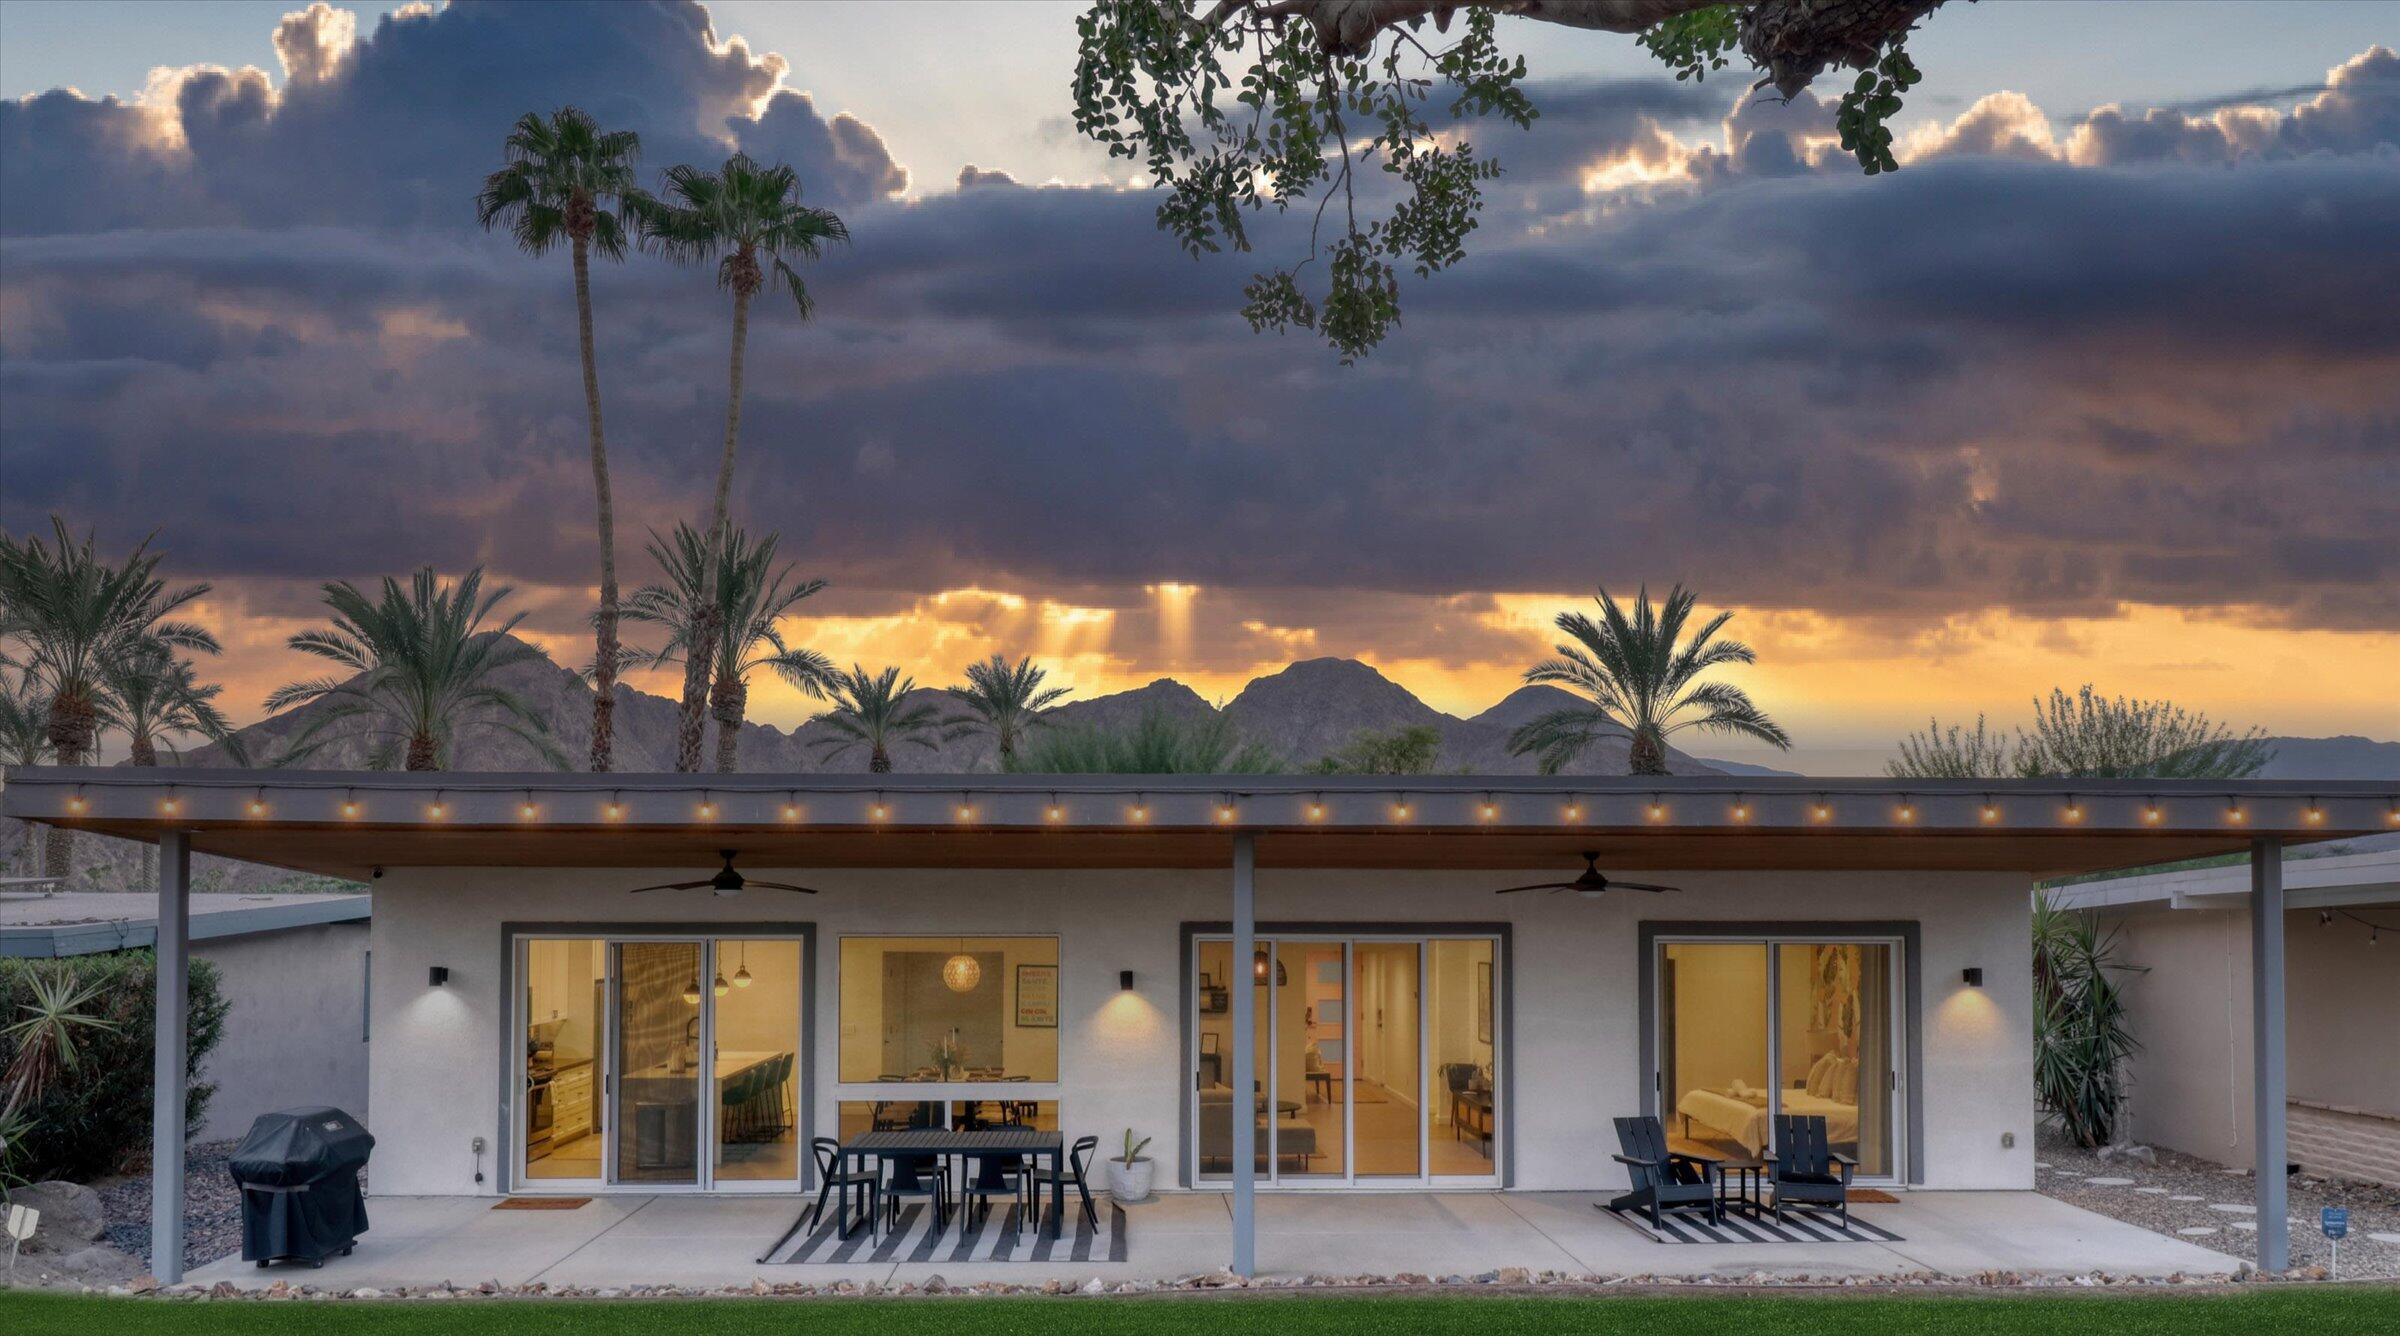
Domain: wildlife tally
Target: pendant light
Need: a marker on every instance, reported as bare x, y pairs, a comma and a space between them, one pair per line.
691, 992
721, 987
961, 972
741, 973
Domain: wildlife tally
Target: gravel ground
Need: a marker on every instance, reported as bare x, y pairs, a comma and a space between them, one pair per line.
212, 1210
2207, 1190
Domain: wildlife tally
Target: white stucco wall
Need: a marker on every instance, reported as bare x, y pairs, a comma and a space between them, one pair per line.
294, 1032
434, 1065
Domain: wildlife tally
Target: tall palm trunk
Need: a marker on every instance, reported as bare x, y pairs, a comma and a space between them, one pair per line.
142, 750
729, 702
604, 673
423, 752
74, 724
879, 762
696, 664
1648, 752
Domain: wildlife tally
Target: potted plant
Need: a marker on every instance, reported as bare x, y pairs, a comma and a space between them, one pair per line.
1129, 1173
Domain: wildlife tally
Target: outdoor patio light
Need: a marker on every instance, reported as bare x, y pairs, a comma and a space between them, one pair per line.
526, 810
1974, 976
1400, 809
1907, 812
1574, 809
437, 977
1490, 809
1056, 812
170, 805
2233, 809
878, 811
2315, 813
966, 811
1991, 810
1316, 808
2151, 814
1824, 809
1658, 810
708, 806
1125, 981
1741, 810
1141, 808
437, 809
350, 804
2074, 810
258, 803
1226, 810
614, 809
791, 809
76, 806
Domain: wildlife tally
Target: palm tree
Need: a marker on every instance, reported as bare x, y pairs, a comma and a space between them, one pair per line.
423, 666
748, 218
749, 597
1007, 701
1639, 675
24, 740
73, 614
567, 178
153, 695
872, 712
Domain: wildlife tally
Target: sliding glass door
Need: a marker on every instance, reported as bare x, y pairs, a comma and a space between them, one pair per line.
658, 1062
1376, 1059
1750, 1029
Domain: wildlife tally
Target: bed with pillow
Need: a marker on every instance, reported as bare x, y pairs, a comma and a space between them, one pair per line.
1739, 1111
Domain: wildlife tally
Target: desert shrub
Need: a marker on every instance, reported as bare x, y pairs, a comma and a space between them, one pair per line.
95, 1119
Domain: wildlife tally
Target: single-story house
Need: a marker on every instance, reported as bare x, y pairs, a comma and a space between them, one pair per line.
291, 968
2189, 932
582, 984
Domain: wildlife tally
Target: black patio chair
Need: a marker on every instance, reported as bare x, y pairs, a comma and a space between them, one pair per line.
916, 1176
1664, 1180
836, 1171
994, 1175
1806, 1171
1078, 1161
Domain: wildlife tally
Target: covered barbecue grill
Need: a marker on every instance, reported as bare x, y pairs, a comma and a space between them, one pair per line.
298, 1173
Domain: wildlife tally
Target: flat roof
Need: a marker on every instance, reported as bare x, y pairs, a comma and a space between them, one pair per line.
81, 923
2367, 877
346, 824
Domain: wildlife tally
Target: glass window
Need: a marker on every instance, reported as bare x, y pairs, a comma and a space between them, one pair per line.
949, 1009
756, 993
563, 1010
858, 1117
1715, 1049
1460, 1026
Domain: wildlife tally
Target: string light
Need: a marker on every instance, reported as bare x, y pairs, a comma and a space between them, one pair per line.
876, 811
1823, 810
966, 809
2326, 917
615, 807
2151, 814
1741, 808
171, 804
258, 803
437, 809
76, 804
527, 811
1991, 810
350, 804
1908, 809
1658, 810
1574, 807
2233, 809
1056, 812
708, 806
1316, 808
2316, 814
1490, 809
2074, 810
1226, 810
1141, 807
1400, 809
791, 812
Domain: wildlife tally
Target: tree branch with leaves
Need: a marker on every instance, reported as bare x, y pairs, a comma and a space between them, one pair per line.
1236, 107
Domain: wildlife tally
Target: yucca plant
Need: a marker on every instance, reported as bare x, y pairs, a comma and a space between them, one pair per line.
47, 1034
2081, 1039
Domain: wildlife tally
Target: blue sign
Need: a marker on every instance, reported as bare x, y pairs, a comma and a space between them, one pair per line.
2335, 1220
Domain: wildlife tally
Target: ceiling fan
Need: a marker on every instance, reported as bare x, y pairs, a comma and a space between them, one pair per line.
1589, 882
726, 882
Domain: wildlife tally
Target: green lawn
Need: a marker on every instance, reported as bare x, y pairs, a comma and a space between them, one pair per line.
2319, 1311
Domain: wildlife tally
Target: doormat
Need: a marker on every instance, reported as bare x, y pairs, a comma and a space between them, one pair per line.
541, 1203
1873, 1197
1000, 1236
1799, 1225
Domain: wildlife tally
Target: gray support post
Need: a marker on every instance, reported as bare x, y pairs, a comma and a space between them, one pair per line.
2266, 1021
172, 1047
1245, 1058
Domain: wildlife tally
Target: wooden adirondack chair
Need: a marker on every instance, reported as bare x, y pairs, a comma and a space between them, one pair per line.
1663, 1180
1807, 1171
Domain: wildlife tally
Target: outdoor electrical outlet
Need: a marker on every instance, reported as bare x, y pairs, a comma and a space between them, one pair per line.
2008, 1140
475, 1144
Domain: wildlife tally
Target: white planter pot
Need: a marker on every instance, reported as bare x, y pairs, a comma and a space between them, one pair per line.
1129, 1183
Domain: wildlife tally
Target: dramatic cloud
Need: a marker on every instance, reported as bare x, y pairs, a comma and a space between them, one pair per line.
2043, 371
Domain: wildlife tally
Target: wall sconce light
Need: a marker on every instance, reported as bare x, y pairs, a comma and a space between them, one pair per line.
1974, 976
1124, 981
437, 977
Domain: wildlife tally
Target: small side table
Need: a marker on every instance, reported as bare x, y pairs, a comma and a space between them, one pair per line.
1742, 1186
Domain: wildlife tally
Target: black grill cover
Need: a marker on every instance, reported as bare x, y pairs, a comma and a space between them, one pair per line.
298, 1172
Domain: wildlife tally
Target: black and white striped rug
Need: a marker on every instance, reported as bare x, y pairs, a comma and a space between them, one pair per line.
1001, 1236
1800, 1225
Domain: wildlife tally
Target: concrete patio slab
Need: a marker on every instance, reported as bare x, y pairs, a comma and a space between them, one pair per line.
702, 1242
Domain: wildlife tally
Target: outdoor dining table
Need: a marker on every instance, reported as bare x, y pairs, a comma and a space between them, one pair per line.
974, 1144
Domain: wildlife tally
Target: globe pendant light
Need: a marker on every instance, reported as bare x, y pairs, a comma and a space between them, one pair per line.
961, 972
721, 988
691, 993
741, 974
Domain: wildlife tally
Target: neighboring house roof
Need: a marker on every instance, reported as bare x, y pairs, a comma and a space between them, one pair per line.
86, 923
2367, 878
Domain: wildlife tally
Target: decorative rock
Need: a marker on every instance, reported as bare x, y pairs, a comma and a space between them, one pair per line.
2196, 1231
72, 1216
2108, 1182
2232, 1208
2185, 1196
2154, 1192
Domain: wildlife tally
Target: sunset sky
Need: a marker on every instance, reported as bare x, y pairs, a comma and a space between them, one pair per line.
2103, 386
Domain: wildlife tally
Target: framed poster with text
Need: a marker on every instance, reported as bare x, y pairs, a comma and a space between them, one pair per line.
1037, 997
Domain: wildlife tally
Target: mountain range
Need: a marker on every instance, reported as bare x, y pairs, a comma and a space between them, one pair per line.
1300, 713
